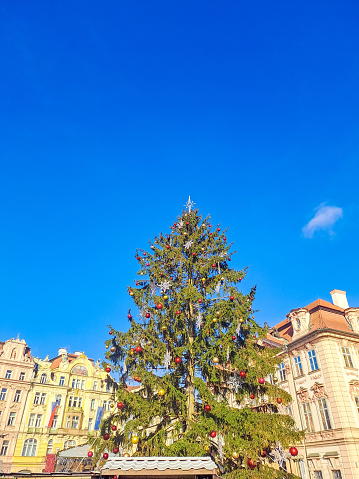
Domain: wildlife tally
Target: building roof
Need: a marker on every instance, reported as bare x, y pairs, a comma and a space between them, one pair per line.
70, 357
322, 315
158, 463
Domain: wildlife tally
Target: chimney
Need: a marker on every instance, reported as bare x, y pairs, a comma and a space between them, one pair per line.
339, 298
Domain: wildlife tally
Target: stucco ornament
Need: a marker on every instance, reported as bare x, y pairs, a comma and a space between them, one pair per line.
319, 391
303, 395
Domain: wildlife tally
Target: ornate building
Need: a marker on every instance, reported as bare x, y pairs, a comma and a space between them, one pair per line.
68, 398
320, 369
16, 369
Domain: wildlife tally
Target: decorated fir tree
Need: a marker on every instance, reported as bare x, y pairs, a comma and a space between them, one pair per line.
194, 349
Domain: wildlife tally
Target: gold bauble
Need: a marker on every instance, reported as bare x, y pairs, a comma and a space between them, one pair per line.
126, 454
218, 314
132, 353
165, 297
215, 360
214, 320
222, 279
204, 280
112, 405
235, 455
164, 328
149, 343
202, 249
134, 440
161, 392
106, 346
141, 273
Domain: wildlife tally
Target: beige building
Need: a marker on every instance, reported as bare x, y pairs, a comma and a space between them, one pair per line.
16, 369
69, 396
320, 369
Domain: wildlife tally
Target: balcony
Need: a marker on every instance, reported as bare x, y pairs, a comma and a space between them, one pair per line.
74, 409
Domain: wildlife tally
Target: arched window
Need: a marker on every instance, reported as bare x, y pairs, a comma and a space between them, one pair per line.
29, 447
49, 446
43, 378
69, 444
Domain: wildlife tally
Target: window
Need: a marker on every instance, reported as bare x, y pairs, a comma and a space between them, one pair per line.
31, 420
4, 448
62, 381
75, 422
77, 384
11, 419
336, 474
288, 411
298, 366
318, 475
8, 374
90, 426
3, 394
308, 417
17, 395
37, 398
95, 385
108, 387
347, 358
42, 399
80, 402
312, 360
93, 404
69, 444
83, 384
38, 420
58, 399
357, 403
54, 422
49, 446
104, 404
324, 414
67, 422
70, 401
29, 448
43, 379
22, 376
282, 374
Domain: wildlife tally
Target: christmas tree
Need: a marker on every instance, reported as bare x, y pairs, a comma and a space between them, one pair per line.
195, 351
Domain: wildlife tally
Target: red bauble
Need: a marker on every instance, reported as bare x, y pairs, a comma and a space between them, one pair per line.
249, 309
193, 254
129, 316
224, 239
116, 450
234, 338
108, 370
148, 315
168, 246
90, 454
200, 301
147, 264
159, 306
261, 380
144, 254
105, 455
218, 229
242, 374
229, 259
171, 278
231, 298
114, 428
213, 265
106, 436
251, 464
279, 400
120, 405
210, 226
252, 396
213, 434
207, 407
187, 223
293, 451
138, 349
137, 379
138, 258
178, 313
110, 332
263, 454
137, 284
178, 360
133, 350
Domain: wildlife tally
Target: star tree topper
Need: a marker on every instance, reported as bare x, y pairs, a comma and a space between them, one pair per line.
190, 204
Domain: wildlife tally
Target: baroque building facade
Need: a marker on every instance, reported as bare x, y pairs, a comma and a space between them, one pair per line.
16, 369
320, 369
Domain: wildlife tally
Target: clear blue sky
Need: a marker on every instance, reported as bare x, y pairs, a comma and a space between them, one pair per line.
112, 113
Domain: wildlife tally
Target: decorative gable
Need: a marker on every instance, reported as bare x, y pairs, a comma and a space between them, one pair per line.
352, 317
300, 319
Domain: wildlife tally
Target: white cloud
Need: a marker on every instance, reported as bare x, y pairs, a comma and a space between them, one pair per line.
324, 219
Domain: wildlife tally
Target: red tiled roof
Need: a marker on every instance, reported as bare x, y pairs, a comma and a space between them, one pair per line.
322, 315
70, 357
